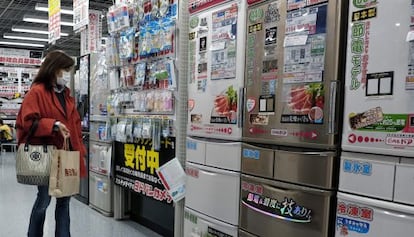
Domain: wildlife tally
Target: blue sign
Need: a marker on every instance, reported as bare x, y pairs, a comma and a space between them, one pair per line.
251, 154
357, 167
352, 225
191, 145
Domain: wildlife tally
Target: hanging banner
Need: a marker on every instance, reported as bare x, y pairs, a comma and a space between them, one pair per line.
80, 14
94, 31
198, 5
136, 165
54, 20
20, 56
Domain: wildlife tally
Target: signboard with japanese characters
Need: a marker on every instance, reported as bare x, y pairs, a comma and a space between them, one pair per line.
80, 14
136, 165
54, 20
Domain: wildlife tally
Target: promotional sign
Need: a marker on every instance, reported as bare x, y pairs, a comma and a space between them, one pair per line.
20, 56
378, 116
94, 31
136, 165
54, 20
80, 14
173, 178
216, 52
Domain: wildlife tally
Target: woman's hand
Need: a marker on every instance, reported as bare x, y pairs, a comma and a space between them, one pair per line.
63, 130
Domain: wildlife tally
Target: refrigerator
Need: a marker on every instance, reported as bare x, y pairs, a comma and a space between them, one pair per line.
216, 62
290, 150
376, 171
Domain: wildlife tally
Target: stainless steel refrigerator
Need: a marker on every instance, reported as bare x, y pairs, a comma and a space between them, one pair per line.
292, 115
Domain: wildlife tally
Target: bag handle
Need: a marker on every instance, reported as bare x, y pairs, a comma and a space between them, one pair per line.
66, 144
32, 130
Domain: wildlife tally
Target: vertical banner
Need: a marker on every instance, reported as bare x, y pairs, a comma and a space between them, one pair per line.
94, 31
80, 14
54, 20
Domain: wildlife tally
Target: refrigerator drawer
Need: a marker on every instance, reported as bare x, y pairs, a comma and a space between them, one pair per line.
199, 225
100, 193
362, 174
100, 155
309, 168
268, 207
213, 192
257, 161
404, 177
196, 151
366, 217
224, 155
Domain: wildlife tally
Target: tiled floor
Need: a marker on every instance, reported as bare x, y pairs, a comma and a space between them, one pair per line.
16, 201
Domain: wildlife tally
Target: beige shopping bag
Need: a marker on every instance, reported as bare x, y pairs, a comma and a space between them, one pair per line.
64, 173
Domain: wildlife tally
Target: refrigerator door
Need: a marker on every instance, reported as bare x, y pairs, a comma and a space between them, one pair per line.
245, 234
268, 207
365, 217
404, 176
100, 154
215, 73
311, 168
101, 193
257, 160
213, 192
292, 64
224, 155
199, 225
378, 113
196, 151
362, 173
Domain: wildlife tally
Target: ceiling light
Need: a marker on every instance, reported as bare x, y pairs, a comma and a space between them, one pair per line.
44, 8
22, 36
17, 43
36, 30
44, 20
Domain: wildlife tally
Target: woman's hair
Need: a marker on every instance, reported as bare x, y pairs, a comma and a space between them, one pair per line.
53, 62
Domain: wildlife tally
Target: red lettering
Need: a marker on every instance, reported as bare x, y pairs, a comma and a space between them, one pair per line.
353, 211
366, 213
341, 208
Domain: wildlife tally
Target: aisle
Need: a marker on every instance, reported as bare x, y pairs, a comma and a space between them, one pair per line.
16, 201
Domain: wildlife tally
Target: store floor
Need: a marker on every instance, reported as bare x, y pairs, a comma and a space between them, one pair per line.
16, 201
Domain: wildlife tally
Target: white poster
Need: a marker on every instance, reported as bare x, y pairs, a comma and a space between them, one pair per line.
80, 14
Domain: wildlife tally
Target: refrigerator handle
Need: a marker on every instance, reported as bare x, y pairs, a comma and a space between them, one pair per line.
332, 107
241, 101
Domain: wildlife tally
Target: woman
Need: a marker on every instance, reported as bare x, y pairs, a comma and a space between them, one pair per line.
49, 102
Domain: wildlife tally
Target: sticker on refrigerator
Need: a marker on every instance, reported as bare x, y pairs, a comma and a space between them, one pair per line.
364, 3
271, 36
259, 119
364, 14
379, 84
250, 104
304, 103
272, 13
366, 118
267, 104
287, 209
346, 225
225, 107
196, 118
224, 32
357, 167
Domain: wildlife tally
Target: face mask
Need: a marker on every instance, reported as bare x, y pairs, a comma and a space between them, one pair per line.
64, 79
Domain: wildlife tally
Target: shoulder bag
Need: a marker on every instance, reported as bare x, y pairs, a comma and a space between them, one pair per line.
33, 161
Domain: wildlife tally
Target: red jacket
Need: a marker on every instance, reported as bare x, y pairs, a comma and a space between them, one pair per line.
44, 105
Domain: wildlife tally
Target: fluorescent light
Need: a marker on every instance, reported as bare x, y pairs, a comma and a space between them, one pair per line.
35, 30
44, 20
44, 8
22, 44
33, 37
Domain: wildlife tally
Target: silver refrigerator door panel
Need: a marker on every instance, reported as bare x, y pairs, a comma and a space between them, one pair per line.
196, 151
309, 168
368, 175
366, 217
213, 192
257, 161
101, 193
199, 225
272, 208
245, 234
291, 99
404, 177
